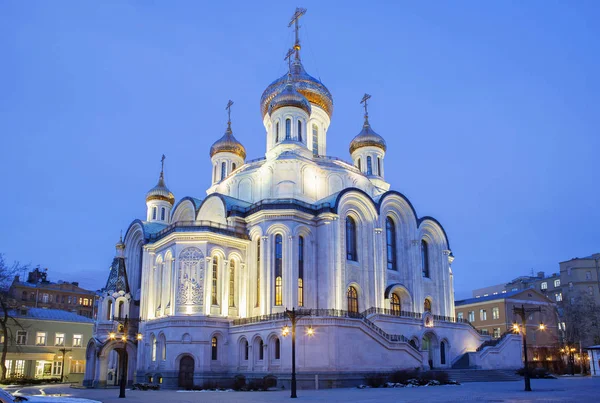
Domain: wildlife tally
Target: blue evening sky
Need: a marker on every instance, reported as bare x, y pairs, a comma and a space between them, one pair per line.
490, 111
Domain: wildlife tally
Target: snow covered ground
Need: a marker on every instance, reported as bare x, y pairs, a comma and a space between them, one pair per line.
579, 390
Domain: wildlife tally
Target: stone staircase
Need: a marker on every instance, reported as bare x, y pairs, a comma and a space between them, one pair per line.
483, 375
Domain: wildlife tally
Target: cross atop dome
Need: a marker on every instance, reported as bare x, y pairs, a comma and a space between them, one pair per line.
295, 18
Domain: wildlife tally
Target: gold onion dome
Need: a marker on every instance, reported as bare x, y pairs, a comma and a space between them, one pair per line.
228, 144
289, 97
160, 191
367, 137
315, 92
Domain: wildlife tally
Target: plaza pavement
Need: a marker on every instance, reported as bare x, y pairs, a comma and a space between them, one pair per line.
579, 390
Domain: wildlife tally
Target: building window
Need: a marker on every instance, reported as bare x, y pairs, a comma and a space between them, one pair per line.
288, 129
232, 283
378, 166
495, 313
395, 304
154, 347
59, 339
315, 137
460, 316
350, 239
45, 298
277, 349
258, 272
261, 350
425, 258
427, 305
77, 340
591, 290
24, 296
213, 291
443, 353
352, 296
358, 164
278, 269
390, 231
471, 316
544, 286
56, 368
558, 296
162, 213
301, 271
19, 368
485, 332
570, 285
556, 283
8, 365
21, 337
233, 167
369, 166
246, 350
588, 275
496, 333
223, 170
77, 367
300, 131
482, 314
214, 348
154, 210
277, 132
40, 339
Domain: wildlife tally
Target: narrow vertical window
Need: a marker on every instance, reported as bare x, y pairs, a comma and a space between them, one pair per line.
315, 137
369, 166
214, 348
300, 131
261, 350
425, 258
278, 269
162, 213
154, 345
358, 165
378, 166
301, 271
233, 166
390, 231
350, 239
246, 350
352, 296
258, 273
215, 173
154, 210
277, 349
277, 132
108, 310
232, 283
395, 304
223, 170
213, 291
443, 353
288, 129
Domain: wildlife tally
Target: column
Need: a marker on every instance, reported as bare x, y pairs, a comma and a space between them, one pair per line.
263, 274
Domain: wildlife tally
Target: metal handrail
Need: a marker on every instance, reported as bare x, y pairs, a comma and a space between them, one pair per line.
200, 224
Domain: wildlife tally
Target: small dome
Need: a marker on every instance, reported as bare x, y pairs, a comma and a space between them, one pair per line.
315, 92
160, 192
289, 97
228, 144
367, 137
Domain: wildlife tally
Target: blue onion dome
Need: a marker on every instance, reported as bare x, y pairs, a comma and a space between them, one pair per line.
160, 191
289, 97
367, 137
228, 144
315, 92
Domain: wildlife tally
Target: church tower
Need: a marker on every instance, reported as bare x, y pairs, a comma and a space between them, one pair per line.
226, 154
159, 200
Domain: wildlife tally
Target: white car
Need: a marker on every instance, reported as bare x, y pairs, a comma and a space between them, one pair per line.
6, 397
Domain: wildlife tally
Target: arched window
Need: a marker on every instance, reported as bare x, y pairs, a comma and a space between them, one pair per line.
261, 350
358, 165
395, 304
378, 166
425, 258
390, 232
223, 170
213, 290
162, 213
154, 211
163, 343
278, 270
427, 305
109, 309
300, 131
301, 271
443, 353
154, 345
246, 350
233, 166
352, 296
277, 349
350, 239
120, 312
315, 138
369, 166
232, 283
214, 348
288, 129
277, 132
258, 273
215, 173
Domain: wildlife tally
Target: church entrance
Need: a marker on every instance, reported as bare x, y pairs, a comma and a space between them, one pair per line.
186, 372
430, 346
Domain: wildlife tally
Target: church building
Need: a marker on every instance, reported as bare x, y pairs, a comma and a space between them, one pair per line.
199, 288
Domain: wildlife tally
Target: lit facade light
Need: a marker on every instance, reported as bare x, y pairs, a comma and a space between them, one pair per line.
124, 337
112, 335
285, 331
310, 331
139, 336
542, 326
516, 327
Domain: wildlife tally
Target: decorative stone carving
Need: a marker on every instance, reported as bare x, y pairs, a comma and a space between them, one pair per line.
191, 277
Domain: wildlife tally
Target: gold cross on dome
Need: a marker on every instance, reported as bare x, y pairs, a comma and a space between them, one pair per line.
162, 164
364, 100
228, 107
295, 18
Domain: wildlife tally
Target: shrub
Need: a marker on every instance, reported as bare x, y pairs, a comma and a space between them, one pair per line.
440, 376
210, 385
196, 387
270, 381
403, 375
28, 381
375, 380
540, 373
239, 382
256, 384
145, 386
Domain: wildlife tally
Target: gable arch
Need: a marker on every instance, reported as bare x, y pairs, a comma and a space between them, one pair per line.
278, 228
363, 203
213, 208
217, 251
185, 210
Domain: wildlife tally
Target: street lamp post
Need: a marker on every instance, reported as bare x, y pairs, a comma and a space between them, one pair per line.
294, 317
523, 312
64, 352
123, 356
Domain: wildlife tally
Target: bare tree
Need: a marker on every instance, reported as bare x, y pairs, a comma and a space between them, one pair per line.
582, 320
7, 304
